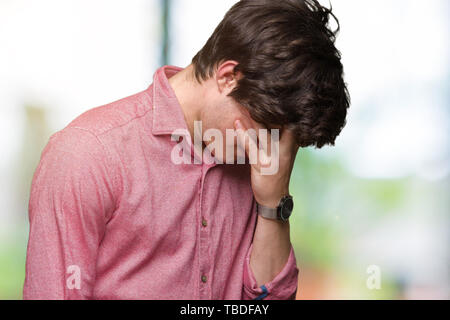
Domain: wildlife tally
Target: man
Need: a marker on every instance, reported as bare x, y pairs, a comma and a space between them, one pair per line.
113, 216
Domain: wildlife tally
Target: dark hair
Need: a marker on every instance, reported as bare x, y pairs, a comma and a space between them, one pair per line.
292, 71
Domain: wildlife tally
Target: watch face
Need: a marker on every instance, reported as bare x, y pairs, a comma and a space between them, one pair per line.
286, 208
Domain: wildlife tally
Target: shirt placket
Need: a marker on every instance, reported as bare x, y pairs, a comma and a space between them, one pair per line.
205, 276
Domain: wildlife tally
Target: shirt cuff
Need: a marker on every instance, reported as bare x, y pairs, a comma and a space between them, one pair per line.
282, 287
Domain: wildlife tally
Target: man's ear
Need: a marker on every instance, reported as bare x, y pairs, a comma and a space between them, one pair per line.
226, 77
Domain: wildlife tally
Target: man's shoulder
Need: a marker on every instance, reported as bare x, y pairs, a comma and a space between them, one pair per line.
103, 119
85, 140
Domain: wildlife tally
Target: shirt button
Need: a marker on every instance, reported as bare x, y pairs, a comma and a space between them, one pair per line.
204, 223
204, 279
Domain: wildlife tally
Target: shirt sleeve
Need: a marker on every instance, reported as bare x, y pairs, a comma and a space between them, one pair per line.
282, 287
70, 203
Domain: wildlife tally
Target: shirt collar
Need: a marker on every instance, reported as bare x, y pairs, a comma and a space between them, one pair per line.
167, 113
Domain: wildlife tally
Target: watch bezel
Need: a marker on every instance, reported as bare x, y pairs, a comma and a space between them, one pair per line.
282, 208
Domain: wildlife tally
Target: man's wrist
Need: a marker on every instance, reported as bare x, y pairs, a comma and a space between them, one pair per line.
272, 201
282, 211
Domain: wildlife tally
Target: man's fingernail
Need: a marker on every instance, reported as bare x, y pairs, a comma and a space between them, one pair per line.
238, 124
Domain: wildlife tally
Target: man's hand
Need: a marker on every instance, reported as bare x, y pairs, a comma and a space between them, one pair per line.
269, 189
271, 240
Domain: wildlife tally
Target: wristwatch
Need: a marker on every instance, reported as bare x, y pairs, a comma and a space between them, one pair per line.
281, 213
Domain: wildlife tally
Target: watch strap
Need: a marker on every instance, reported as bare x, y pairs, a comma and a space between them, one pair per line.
266, 212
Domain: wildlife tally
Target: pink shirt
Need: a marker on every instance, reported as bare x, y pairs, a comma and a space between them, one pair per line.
112, 217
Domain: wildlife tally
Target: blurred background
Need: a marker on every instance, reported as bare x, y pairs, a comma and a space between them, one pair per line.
377, 201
